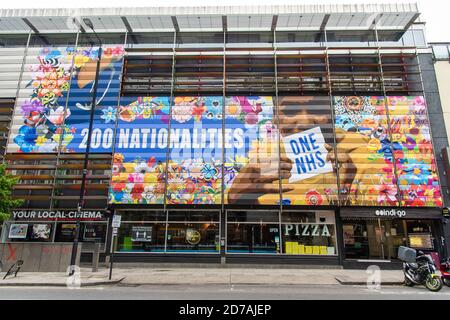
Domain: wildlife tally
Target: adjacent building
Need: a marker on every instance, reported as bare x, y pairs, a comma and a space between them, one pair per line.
275, 134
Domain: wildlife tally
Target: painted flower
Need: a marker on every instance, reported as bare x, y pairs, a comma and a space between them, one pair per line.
182, 113
58, 116
374, 145
118, 158
387, 194
32, 106
209, 172
136, 177
41, 140
410, 143
109, 115
233, 110
126, 114
354, 103
118, 187
251, 119
26, 139
314, 198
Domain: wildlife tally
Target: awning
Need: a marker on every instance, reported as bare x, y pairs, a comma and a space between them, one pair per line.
398, 16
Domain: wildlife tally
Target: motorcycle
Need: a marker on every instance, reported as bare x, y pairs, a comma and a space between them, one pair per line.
445, 271
422, 271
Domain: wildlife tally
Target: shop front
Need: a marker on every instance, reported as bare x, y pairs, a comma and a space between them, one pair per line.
374, 234
57, 226
241, 236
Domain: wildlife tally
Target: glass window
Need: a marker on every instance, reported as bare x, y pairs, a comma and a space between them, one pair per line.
193, 237
351, 38
303, 38
373, 239
47, 40
89, 232
139, 40
142, 215
89, 39
253, 238
13, 40
249, 37
309, 239
194, 216
253, 216
420, 235
141, 237
199, 37
309, 233
440, 52
30, 232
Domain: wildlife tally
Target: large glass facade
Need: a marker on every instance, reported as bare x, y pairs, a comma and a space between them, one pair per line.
243, 142
292, 153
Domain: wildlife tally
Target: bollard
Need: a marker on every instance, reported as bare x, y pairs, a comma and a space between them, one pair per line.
95, 257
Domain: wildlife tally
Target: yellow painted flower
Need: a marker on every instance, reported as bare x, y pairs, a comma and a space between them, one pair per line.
80, 60
129, 167
41, 140
374, 145
151, 178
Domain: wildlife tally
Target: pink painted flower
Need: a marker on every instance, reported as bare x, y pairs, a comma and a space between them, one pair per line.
251, 118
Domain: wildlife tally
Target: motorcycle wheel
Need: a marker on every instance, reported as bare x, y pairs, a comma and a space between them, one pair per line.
447, 282
408, 282
434, 283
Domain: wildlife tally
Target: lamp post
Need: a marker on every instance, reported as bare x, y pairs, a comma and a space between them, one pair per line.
88, 23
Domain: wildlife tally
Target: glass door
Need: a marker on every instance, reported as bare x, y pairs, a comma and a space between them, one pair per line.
373, 239
392, 236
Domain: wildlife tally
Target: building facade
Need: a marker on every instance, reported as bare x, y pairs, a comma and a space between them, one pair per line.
280, 134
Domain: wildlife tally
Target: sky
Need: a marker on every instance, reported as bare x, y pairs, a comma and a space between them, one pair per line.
434, 12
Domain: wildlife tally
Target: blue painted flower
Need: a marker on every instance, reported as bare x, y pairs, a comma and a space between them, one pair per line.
109, 115
26, 139
209, 172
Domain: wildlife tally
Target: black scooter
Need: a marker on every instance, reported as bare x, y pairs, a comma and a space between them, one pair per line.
422, 272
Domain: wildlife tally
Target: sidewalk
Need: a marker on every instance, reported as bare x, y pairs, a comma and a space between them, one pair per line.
183, 276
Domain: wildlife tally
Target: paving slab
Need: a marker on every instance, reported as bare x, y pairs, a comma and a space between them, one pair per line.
195, 276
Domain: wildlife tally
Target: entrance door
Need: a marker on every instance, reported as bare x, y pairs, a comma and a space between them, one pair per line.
373, 239
256, 232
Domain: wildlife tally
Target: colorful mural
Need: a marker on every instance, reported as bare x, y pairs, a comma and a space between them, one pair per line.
306, 129
44, 124
303, 152
366, 174
140, 151
413, 152
371, 153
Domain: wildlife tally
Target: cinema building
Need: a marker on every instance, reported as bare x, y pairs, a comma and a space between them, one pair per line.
268, 135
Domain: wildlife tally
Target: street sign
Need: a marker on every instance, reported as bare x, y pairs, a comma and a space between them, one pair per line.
115, 231
116, 221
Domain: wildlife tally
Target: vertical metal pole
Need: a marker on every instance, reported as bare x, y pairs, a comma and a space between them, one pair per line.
277, 121
166, 174
222, 220
85, 165
116, 125
111, 259
333, 122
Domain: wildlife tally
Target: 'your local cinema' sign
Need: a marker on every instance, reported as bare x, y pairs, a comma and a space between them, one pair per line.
61, 215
